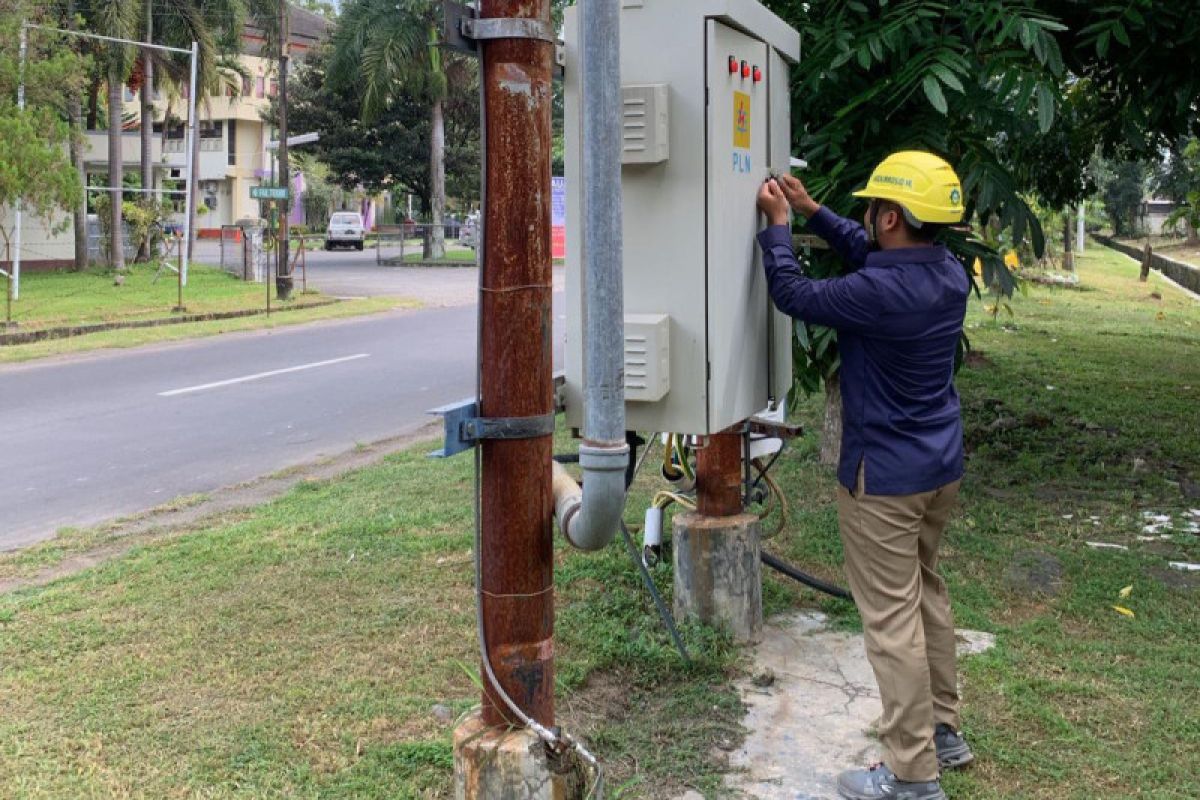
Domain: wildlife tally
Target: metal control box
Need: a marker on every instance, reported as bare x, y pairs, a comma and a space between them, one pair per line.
711, 76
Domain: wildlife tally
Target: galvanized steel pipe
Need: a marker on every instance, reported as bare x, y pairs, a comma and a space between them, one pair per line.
604, 455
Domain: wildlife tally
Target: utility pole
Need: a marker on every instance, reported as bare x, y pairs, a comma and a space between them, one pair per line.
147, 112
283, 277
517, 368
718, 572
1068, 261
14, 264
719, 476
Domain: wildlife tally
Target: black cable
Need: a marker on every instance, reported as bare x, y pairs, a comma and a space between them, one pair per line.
803, 577
663, 611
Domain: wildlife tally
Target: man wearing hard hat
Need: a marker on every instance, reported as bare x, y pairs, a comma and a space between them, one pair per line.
899, 313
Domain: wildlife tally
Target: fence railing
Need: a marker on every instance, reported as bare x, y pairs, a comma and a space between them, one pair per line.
250, 253
394, 243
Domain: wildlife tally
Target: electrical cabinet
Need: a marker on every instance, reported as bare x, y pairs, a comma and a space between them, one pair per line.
706, 118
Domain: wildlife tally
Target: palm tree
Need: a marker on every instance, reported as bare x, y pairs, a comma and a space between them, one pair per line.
391, 47
118, 19
216, 27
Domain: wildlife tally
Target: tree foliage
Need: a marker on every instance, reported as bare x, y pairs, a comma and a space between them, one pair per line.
1123, 188
391, 152
1178, 179
1017, 94
34, 167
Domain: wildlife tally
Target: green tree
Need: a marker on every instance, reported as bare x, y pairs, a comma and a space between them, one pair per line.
1177, 178
55, 77
1123, 189
879, 77
390, 153
35, 170
1017, 94
392, 48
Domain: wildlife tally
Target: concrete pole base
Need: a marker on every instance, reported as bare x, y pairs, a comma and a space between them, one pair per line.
718, 574
506, 764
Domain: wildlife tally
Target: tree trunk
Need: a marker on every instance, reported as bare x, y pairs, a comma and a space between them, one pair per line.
1068, 245
435, 244
116, 237
75, 124
93, 112
146, 126
79, 212
831, 430
1193, 236
8, 281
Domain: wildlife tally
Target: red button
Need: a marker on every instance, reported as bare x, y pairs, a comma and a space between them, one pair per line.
758, 75
745, 70
733, 66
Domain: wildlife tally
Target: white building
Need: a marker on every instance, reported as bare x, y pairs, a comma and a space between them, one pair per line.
233, 154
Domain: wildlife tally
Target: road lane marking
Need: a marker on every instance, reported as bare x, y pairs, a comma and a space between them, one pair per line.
260, 375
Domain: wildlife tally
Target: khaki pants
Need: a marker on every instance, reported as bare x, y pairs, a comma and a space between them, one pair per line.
891, 551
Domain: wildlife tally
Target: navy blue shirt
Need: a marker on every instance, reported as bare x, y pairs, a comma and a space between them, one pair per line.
899, 316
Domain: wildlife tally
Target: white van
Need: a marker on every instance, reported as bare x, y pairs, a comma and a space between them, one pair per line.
345, 230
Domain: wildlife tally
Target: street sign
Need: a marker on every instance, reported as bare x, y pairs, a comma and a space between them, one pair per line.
269, 192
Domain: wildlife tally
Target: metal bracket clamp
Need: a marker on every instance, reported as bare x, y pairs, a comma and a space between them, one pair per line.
480, 428
463, 30
507, 28
463, 428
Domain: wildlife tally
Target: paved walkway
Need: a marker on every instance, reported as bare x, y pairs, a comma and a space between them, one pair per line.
813, 720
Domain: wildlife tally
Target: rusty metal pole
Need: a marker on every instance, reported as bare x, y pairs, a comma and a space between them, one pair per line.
517, 369
719, 476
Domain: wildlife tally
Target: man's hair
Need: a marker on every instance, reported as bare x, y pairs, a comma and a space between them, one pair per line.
925, 232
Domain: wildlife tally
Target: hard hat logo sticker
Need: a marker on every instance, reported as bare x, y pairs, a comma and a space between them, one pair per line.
955, 197
741, 120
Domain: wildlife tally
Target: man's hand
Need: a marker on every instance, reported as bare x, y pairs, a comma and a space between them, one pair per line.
797, 196
773, 203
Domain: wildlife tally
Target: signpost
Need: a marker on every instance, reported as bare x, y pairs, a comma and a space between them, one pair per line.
269, 192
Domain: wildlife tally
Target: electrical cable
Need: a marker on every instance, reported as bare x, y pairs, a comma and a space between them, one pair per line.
681, 451
778, 564
787, 569
673, 497
648, 580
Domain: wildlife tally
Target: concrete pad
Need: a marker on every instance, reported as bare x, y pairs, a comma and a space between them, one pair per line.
812, 721
511, 764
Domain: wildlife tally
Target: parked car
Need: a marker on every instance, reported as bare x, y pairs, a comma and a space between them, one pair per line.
345, 230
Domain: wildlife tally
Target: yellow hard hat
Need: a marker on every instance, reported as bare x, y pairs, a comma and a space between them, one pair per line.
921, 182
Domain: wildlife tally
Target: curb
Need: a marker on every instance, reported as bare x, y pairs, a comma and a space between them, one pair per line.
67, 332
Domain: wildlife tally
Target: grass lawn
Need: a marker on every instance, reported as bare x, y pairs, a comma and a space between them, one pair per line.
452, 257
57, 299
53, 299
297, 649
1171, 247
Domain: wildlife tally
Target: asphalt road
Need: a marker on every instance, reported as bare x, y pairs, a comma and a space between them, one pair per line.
85, 439
348, 273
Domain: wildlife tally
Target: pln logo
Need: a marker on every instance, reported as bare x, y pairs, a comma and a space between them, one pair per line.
741, 120
741, 133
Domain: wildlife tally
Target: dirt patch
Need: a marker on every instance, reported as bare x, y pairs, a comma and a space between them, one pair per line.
644, 729
977, 359
175, 520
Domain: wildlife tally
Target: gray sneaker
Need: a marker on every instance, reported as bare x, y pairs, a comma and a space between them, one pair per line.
880, 783
952, 749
